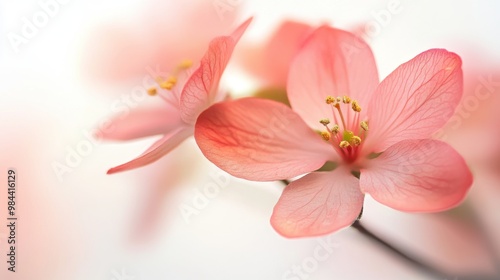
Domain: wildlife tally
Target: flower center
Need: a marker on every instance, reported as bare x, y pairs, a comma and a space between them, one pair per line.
346, 136
171, 81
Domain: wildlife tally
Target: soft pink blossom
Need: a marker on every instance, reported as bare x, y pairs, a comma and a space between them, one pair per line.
477, 116
160, 35
474, 132
271, 60
186, 95
383, 135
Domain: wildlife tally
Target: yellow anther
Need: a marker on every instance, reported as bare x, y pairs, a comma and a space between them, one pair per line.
152, 91
344, 144
172, 79
346, 99
335, 129
355, 106
329, 99
355, 141
169, 83
324, 121
339, 99
185, 64
364, 125
325, 135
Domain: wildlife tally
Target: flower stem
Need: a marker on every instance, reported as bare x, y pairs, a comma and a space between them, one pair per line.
425, 267
415, 262
490, 244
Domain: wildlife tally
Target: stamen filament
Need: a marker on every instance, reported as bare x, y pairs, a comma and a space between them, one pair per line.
356, 119
341, 115
349, 139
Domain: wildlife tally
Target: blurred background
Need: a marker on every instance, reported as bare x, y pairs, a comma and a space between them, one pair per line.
67, 67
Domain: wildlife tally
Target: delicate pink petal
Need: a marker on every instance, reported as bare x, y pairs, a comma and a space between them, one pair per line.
461, 140
161, 34
476, 116
141, 123
271, 61
318, 203
331, 62
201, 88
417, 176
157, 150
416, 99
105, 52
260, 140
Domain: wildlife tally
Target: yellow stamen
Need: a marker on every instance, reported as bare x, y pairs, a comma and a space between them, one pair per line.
355, 141
344, 144
364, 125
329, 99
185, 64
337, 105
172, 79
324, 121
345, 136
325, 135
355, 106
152, 91
169, 83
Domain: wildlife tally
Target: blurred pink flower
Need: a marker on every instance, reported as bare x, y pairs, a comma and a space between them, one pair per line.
474, 132
186, 96
477, 117
166, 32
399, 165
271, 61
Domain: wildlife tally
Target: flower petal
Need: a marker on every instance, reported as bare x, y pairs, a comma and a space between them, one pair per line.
417, 176
331, 62
318, 203
141, 123
415, 100
157, 150
120, 51
271, 61
260, 140
200, 90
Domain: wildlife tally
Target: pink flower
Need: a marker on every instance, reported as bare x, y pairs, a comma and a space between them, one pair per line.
477, 115
154, 38
474, 132
186, 96
386, 144
270, 62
